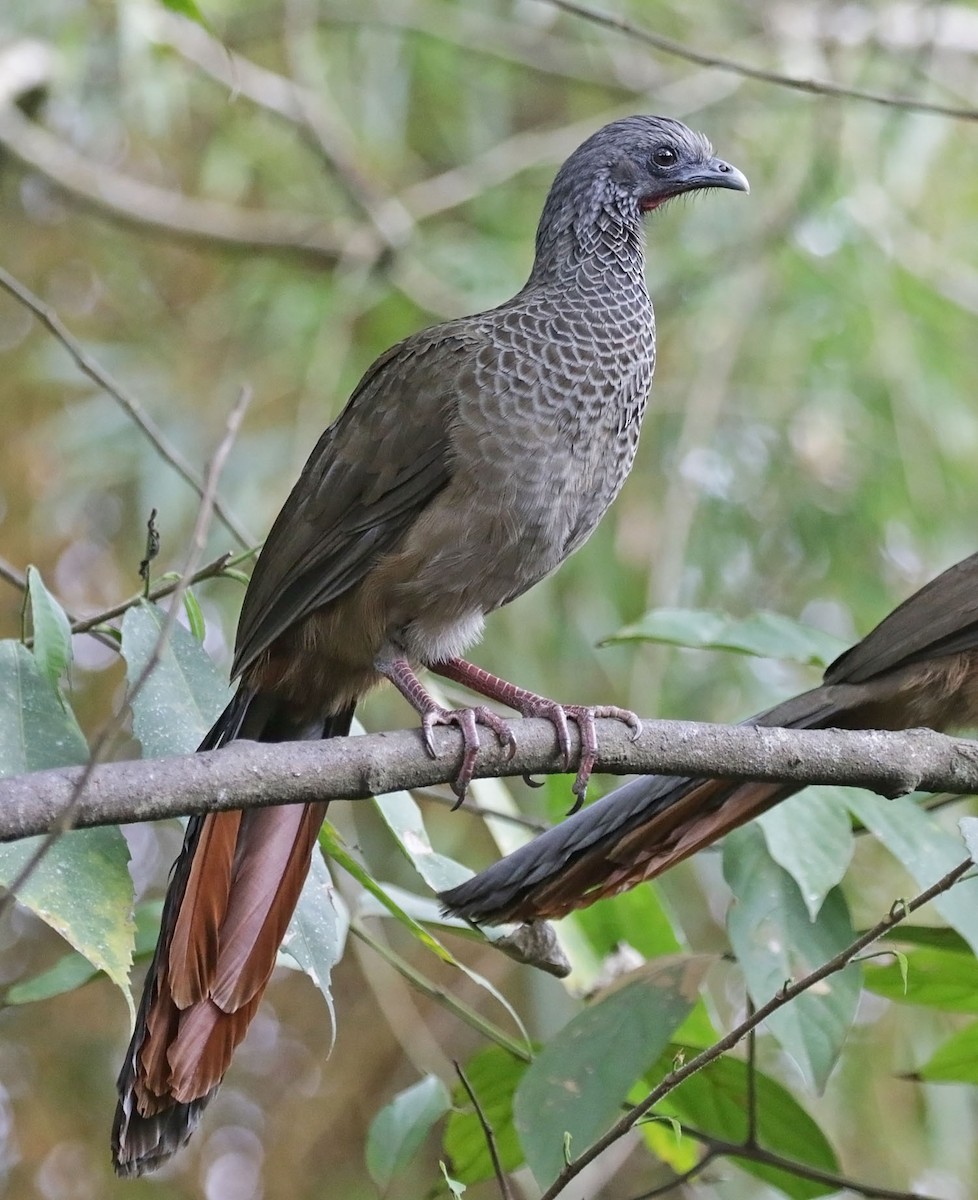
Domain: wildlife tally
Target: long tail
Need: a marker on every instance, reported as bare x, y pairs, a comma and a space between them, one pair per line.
634, 833
231, 896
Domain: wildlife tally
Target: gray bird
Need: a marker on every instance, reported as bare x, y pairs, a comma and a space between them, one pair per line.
471, 460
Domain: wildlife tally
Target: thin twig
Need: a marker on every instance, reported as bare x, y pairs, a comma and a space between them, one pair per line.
719, 1148
129, 404
65, 819
487, 1132
665, 1188
817, 87
751, 1138
788, 993
483, 810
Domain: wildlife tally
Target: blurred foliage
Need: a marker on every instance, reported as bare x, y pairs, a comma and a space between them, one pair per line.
808, 452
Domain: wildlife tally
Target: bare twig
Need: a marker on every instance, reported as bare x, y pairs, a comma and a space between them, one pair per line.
252, 774
126, 401
670, 1185
487, 1132
66, 817
817, 87
788, 993
751, 1152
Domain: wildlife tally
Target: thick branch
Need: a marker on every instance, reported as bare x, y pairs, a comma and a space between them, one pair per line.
252, 774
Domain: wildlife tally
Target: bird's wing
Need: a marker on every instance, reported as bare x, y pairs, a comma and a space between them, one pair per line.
373, 470
940, 619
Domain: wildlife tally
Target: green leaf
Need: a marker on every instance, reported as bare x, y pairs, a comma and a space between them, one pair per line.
969, 831
810, 836
195, 615
52, 632
764, 635
456, 1188
68, 973
36, 730
927, 851
188, 8
399, 1129
317, 932
775, 940
403, 818
934, 978
956, 1061
575, 1086
183, 695
494, 1076
81, 887
715, 1101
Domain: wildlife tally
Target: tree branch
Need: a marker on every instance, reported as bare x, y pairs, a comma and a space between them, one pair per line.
817, 87
789, 992
255, 774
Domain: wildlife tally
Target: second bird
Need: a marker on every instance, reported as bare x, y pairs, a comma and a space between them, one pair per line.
471, 460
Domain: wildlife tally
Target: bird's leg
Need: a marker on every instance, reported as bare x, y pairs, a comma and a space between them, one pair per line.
529, 704
402, 675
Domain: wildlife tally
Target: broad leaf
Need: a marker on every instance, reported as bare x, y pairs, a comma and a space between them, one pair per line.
81, 887
52, 632
494, 1076
764, 635
775, 940
810, 836
403, 818
715, 1101
956, 1060
574, 1088
398, 1131
317, 932
926, 850
934, 978
183, 695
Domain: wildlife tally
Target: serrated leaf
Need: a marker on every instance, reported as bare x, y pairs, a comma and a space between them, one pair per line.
764, 635
494, 1076
715, 1101
926, 850
184, 694
52, 632
955, 1061
934, 978
775, 940
810, 836
81, 887
573, 1089
399, 1129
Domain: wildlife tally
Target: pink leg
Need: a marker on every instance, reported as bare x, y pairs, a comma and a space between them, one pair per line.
529, 704
402, 675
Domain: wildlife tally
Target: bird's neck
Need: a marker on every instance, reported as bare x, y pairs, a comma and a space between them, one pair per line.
569, 245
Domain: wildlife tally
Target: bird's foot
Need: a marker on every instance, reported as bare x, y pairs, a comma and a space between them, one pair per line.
584, 716
467, 720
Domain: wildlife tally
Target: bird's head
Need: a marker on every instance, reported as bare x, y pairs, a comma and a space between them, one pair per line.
629, 168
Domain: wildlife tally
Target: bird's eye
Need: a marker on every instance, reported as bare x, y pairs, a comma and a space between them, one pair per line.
664, 156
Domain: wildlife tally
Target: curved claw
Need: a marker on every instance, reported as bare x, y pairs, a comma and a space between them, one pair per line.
467, 720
